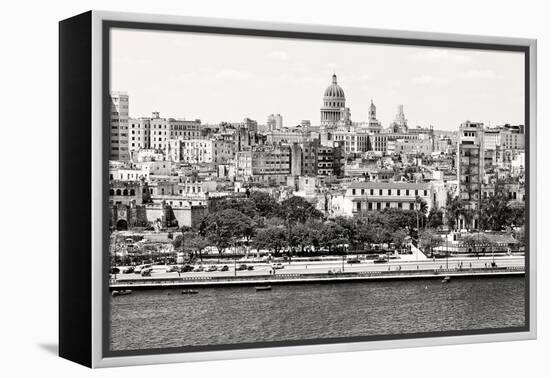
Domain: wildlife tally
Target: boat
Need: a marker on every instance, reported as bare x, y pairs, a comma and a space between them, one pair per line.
116, 293
446, 279
189, 291
263, 288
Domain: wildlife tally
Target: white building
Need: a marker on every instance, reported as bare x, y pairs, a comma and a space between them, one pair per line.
119, 126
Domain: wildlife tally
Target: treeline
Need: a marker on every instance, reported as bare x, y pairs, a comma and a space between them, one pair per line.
295, 225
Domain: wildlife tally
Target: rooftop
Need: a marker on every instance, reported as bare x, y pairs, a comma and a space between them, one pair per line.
389, 185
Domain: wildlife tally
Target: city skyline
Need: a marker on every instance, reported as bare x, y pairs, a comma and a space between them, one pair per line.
289, 77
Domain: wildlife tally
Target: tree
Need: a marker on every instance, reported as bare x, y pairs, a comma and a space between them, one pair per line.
495, 213
455, 207
421, 207
224, 228
350, 226
435, 218
272, 238
265, 205
195, 242
300, 237
428, 240
297, 209
398, 238
243, 205
333, 236
476, 242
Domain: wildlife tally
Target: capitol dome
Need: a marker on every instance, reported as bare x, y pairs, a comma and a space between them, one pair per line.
334, 103
334, 90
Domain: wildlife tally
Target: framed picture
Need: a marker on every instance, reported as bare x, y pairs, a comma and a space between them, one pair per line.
232, 189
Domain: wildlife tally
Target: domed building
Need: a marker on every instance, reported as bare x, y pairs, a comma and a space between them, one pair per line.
334, 105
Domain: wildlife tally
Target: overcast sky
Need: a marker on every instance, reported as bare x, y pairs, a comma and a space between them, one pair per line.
227, 78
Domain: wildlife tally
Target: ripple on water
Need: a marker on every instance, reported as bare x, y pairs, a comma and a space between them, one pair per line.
154, 319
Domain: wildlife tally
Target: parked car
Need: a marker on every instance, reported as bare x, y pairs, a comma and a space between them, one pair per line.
171, 268
250, 267
146, 272
242, 267
114, 270
186, 268
198, 268
139, 268
353, 260
224, 268
380, 260
278, 266
128, 269
212, 268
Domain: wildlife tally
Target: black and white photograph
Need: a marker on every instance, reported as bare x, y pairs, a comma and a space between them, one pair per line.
284, 191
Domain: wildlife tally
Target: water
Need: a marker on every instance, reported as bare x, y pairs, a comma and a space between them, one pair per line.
165, 318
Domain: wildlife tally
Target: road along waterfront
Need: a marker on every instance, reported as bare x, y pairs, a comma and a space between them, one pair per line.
325, 271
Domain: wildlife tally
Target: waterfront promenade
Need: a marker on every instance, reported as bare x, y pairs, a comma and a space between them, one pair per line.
325, 271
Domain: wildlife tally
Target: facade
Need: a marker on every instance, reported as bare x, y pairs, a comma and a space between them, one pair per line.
263, 164
197, 151
375, 196
330, 161
119, 126
154, 132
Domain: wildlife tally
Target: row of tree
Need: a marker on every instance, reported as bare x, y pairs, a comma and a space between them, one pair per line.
295, 225
257, 220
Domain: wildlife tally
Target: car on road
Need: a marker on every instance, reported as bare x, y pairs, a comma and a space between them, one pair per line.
128, 269
171, 268
354, 260
146, 272
114, 270
198, 268
212, 268
380, 260
186, 268
242, 267
278, 266
139, 268
250, 267
224, 268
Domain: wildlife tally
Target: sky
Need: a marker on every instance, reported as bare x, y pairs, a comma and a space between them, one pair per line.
227, 78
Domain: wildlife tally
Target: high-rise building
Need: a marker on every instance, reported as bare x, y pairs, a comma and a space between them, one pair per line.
470, 168
274, 122
119, 126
